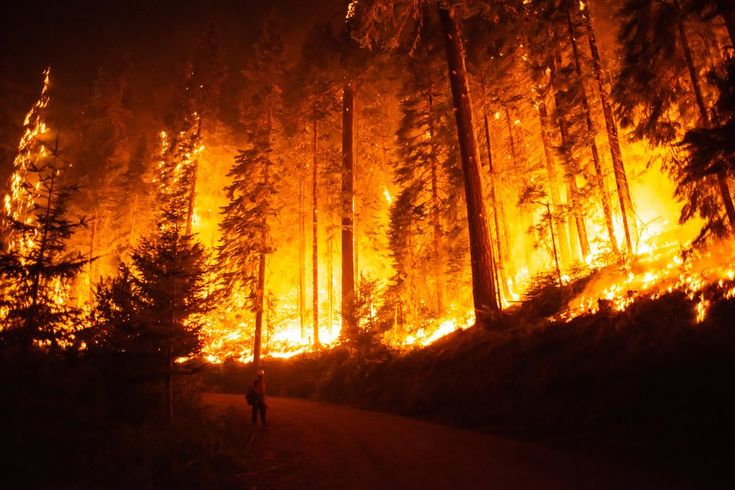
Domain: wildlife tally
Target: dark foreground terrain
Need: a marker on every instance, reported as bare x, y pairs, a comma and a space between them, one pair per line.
309, 445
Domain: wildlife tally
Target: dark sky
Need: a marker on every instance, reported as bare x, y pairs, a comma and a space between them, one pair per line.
76, 36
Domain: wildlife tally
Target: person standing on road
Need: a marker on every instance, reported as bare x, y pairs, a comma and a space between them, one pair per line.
257, 388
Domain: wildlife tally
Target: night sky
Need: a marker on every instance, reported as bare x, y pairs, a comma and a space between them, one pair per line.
76, 37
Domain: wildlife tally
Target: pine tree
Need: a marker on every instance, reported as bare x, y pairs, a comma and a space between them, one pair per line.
659, 76
621, 179
425, 148
246, 237
37, 269
200, 100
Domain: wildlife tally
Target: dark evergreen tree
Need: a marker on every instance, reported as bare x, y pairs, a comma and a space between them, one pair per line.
37, 272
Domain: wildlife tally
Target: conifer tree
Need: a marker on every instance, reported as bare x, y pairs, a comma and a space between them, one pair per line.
659, 77
35, 266
246, 238
425, 148
37, 269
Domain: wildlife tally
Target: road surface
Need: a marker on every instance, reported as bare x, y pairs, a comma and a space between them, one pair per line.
310, 445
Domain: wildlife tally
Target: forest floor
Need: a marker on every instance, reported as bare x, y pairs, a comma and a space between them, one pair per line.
311, 445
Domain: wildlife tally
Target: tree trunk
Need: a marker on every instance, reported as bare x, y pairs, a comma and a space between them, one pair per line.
500, 263
483, 286
315, 232
349, 326
564, 250
302, 250
169, 382
435, 214
604, 194
192, 198
259, 304
694, 77
90, 256
31, 321
621, 180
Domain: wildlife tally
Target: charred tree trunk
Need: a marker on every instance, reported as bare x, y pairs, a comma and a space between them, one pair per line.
697, 88
315, 232
349, 326
564, 250
260, 288
169, 383
302, 250
90, 257
500, 263
621, 180
435, 214
604, 194
483, 286
259, 295
31, 323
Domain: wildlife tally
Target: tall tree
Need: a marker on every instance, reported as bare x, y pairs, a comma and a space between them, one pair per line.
246, 238
426, 150
37, 269
349, 322
659, 77
483, 286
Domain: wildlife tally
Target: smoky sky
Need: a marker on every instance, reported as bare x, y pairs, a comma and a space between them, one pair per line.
75, 37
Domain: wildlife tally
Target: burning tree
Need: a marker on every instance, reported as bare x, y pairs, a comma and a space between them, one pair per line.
35, 266
102, 156
656, 88
424, 174
246, 238
384, 22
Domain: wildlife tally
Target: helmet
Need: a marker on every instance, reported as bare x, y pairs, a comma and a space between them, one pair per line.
261, 372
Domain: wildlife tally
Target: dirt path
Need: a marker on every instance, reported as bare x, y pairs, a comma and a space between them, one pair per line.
309, 445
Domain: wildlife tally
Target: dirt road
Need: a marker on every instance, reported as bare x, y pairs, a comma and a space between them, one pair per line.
309, 445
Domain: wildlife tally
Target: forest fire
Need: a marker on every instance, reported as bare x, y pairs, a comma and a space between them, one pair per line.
511, 216
390, 219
